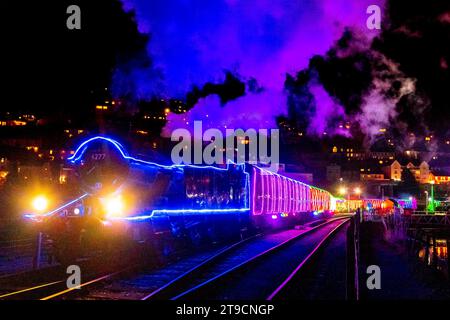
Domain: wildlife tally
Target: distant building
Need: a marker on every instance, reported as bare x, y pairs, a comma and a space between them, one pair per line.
4, 169
350, 175
393, 171
73, 132
351, 153
442, 179
381, 155
12, 119
66, 175
32, 144
333, 172
421, 172
372, 176
440, 176
412, 154
34, 172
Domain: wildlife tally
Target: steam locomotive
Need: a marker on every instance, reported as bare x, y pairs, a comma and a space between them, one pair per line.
124, 199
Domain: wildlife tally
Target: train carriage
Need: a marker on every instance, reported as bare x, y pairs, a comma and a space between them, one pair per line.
275, 194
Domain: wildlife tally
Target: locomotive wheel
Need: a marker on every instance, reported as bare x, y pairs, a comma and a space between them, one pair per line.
195, 235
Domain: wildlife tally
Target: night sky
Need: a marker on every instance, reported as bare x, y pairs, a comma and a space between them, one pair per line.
50, 68
313, 62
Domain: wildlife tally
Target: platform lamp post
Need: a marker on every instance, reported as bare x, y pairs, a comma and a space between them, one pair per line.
432, 196
426, 201
343, 191
358, 191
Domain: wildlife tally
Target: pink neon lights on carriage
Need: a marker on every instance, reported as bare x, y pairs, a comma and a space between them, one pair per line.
273, 194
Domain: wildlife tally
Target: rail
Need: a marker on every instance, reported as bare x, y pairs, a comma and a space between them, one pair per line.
184, 286
29, 254
353, 257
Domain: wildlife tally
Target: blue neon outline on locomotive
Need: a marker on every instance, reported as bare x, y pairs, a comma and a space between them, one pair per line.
125, 155
180, 211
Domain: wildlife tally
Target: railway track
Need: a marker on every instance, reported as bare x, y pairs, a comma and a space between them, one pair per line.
165, 283
196, 276
18, 256
259, 277
56, 289
146, 280
324, 275
16, 243
50, 283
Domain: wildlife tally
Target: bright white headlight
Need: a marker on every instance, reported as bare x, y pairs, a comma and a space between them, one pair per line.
114, 206
40, 203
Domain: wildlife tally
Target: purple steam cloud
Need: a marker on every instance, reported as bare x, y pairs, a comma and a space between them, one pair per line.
193, 42
326, 109
378, 109
236, 114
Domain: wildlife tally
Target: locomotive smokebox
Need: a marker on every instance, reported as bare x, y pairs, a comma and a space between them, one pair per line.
101, 165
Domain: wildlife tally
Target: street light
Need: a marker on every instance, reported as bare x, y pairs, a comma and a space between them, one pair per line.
342, 191
345, 191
